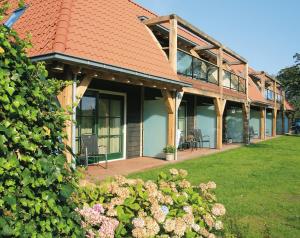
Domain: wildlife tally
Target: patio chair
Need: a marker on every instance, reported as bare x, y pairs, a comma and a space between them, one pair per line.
190, 142
201, 139
90, 151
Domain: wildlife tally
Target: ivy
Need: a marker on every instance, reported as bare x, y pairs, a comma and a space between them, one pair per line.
35, 181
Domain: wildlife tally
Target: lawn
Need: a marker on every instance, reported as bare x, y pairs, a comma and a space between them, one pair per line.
259, 185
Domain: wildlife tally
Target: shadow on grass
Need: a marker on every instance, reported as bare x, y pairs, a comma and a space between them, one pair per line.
259, 145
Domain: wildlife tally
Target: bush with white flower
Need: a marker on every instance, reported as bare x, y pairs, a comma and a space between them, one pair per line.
168, 207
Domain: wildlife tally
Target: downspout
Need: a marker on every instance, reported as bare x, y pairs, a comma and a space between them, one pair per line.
176, 116
74, 91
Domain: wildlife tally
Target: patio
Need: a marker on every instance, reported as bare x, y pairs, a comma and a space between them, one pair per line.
124, 167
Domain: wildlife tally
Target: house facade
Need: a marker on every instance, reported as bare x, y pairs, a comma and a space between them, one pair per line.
142, 81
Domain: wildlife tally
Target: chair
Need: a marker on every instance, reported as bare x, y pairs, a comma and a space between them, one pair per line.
191, 142
89, 151
200, 138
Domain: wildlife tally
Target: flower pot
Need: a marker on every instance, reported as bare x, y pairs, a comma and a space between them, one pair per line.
169, 156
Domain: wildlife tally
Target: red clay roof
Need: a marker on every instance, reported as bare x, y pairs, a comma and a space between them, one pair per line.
288, 106
95, 30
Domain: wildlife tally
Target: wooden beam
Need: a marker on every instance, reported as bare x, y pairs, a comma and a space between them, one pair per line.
246, 119
262, 123
220, 69
173, 44
82, 87
183, 23
157, 20
219, 107
236, 63
65, 100
169, 101
246, 76
234, 54
170, 104
274, 124
209, 47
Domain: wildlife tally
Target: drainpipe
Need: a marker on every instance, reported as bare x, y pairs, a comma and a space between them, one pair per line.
176, 124
74, 115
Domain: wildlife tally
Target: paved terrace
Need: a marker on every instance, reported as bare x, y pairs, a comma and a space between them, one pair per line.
124, 167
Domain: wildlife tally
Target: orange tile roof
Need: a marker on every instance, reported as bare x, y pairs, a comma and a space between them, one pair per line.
95, 30
288, 106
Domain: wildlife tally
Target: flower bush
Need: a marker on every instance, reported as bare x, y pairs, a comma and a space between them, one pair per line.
167, 207
36, 183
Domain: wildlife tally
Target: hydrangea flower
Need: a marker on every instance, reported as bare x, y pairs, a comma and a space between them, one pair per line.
164, 209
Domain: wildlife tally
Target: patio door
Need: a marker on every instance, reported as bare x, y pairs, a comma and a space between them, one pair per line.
102, 114
182, 124
110, 124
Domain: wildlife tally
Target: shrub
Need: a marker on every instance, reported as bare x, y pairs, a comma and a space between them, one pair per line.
168, 207
35, 181
169, 149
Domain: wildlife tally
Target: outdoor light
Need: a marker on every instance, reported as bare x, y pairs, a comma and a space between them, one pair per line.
96, 75
141, 83
154, 86
128, 81
15, 16
113, 78
58, 67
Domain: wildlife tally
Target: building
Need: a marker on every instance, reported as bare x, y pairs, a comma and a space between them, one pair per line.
139, 77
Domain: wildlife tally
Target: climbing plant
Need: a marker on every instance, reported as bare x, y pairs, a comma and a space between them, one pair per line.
35, 181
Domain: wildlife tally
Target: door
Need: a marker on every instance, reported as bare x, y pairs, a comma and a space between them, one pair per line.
102, 114
206, 121
254, 123
111, 124
182, 125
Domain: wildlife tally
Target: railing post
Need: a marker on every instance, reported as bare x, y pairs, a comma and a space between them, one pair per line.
173, 44
220, 69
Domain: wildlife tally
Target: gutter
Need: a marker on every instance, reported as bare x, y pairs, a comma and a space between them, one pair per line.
99, 65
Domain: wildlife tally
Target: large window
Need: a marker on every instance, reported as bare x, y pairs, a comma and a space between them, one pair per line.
103, 115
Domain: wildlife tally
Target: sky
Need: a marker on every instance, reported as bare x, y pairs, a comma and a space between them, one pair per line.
265, 32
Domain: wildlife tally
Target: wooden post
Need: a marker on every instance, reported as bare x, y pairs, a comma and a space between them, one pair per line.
170, 104
274, 122
282, 122
246, 118
219, 107
275, 90
246, 75
262, 123
65, 100
220, 72
173, 44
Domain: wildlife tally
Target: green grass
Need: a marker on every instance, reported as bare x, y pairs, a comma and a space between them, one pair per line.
259, 185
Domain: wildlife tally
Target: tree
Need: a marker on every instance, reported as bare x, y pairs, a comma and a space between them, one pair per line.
36, 183
290, 79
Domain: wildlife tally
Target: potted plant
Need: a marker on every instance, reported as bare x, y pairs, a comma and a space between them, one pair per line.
169, 151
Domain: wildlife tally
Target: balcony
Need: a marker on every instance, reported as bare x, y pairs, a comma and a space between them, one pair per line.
234, 82
199, 69
269, 95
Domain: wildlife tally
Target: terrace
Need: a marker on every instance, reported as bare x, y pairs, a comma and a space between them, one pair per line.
200, 69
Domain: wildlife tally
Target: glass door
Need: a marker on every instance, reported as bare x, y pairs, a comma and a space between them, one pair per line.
103, 115
182, 119
111, 124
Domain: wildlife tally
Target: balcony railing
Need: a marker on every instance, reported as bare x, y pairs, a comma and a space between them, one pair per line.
234, 82
196, 68
269, 95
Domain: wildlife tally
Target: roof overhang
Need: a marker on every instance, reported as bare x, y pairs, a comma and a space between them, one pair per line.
98, 65
194, 30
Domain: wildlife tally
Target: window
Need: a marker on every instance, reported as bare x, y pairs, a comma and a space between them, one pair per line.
14, 17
